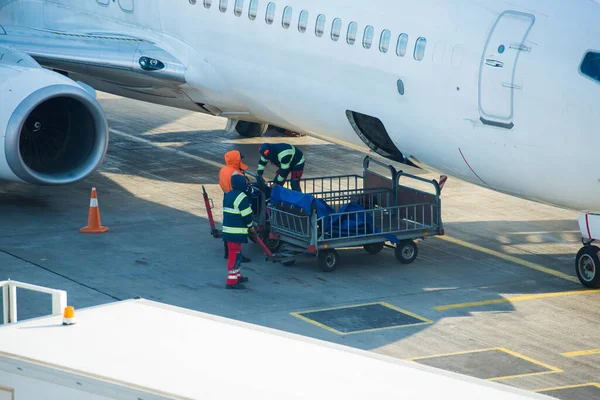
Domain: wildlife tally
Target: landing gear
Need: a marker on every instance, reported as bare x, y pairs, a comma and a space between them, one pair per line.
587, 265
587, 262
250, 129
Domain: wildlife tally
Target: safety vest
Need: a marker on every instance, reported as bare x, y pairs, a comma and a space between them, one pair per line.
237, 216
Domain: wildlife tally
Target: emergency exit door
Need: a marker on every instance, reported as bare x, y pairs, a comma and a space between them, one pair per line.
501, 54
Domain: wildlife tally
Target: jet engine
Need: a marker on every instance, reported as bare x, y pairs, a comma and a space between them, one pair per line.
53, 131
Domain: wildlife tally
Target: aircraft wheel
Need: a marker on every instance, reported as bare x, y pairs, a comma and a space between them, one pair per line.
587, 264
250, 129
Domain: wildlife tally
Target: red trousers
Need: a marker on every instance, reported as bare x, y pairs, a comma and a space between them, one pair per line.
233, 274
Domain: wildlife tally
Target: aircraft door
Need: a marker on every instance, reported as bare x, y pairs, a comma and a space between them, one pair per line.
498, 66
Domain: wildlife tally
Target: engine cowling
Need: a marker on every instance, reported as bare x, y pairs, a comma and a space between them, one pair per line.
53, 131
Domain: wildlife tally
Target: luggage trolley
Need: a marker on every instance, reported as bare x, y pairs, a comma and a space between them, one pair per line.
351, 210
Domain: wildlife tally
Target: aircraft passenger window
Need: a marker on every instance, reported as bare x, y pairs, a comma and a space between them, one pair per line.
287, 17
400, 87
303, 21
590, 66
384, 41
270, 13
368, 37
320, 27
336, 29
420, 48
239, 6
402, 45
223, 5
207, 3
352, 30
253, 9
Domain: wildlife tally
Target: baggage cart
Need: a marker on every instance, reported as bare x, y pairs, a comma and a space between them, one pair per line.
346, 211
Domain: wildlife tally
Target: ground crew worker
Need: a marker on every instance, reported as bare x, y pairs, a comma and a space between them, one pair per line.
237, 223
234, 166
287, 158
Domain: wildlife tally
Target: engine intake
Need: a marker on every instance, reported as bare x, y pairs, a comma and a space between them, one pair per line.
57, 135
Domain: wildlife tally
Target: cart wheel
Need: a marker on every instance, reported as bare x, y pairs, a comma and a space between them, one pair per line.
587, 265
289, 263
406, 251
328, 260
273, 244
374, 248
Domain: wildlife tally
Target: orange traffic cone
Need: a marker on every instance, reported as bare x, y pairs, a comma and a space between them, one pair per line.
94, 224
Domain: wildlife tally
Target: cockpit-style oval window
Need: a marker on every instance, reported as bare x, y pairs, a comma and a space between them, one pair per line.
270, 16
590, 66
287, 17
303, 21
320, 26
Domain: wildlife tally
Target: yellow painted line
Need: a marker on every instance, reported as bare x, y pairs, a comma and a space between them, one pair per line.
595, 384
514, 299
581, 353
320, 325
512, 259
551, 369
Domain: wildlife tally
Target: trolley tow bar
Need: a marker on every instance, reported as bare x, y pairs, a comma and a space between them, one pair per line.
207, 202
256, 239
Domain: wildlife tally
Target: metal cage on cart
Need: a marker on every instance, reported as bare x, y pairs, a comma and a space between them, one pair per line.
367, 210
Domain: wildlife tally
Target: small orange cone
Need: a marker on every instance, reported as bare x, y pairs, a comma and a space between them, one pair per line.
94, 224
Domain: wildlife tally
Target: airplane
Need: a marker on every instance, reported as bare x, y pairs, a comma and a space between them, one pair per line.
499, 94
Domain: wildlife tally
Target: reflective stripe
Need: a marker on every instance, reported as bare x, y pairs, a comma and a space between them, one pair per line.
93, 202
245, 212
250, 224
291, 152
241, 231
263, 159
238, 200
230, 210
280, 178
261, 167
301, 160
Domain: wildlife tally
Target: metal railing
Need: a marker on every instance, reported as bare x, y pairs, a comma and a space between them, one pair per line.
378, 221
9, 299
321, 185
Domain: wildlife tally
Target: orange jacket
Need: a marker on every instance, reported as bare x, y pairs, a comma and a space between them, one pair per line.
233, 159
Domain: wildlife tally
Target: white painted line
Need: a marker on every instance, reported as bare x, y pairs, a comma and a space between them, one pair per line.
170, 149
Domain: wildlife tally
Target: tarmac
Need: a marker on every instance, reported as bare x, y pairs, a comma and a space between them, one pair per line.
496, 297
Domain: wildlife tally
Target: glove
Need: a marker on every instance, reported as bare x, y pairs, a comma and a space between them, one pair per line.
251, 230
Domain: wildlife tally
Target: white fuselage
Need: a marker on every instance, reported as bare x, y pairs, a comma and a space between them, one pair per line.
540, 131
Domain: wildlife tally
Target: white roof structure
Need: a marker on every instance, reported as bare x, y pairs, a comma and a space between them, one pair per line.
182, 354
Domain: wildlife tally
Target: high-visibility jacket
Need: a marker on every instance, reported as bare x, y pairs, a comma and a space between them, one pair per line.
234, 166
237, 213
285, 156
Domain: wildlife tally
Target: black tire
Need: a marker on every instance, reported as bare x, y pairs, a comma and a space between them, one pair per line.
374, 248
273, 244
328, 260
587, 264
250, 129
406, 252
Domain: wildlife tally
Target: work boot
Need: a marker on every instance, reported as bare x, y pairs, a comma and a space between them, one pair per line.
243, 279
